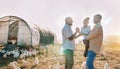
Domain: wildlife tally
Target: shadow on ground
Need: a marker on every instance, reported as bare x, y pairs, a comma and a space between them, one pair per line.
6, 61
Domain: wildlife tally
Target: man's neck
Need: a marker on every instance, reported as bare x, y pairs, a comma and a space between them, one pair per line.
68, 24
98, 23
85, 25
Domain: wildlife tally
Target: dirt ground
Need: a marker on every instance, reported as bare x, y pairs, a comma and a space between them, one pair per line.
54, 59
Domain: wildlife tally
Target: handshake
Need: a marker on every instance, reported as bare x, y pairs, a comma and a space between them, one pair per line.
77, 32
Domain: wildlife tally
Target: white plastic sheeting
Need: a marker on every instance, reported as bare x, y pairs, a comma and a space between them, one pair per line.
35, 36
24, 34
12, 27
3, 32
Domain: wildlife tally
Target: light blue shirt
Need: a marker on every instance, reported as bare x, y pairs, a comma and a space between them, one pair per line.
67, 32
85, 31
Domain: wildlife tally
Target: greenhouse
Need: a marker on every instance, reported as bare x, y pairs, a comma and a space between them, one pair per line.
13, 27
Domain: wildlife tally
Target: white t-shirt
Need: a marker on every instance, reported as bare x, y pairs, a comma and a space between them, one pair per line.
67, 32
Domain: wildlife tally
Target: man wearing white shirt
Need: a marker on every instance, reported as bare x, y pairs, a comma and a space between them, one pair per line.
68, 42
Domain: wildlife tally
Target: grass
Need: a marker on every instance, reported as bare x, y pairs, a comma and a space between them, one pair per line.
112, 54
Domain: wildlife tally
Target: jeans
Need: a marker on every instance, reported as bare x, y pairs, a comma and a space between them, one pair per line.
90, 60
69, 61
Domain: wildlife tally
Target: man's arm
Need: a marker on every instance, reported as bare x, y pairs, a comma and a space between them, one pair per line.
70, 36
80, 34
93, 33
73, 36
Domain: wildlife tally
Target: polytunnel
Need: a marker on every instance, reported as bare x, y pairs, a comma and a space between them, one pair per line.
46, 36
13, 27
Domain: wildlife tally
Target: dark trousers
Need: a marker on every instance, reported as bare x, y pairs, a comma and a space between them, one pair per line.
86, 42
69, 59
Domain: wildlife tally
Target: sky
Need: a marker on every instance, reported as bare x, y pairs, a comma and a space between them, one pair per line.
51, 13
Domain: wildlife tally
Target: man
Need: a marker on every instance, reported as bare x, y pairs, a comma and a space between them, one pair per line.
68, 42
96, 38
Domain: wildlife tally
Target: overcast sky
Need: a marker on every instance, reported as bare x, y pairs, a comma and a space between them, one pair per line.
51, 13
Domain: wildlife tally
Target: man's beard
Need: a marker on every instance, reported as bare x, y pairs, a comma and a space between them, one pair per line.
70, 24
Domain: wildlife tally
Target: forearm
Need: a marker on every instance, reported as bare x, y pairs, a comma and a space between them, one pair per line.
73, 36
80, 34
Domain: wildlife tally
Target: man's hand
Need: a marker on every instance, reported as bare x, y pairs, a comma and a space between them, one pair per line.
86, 42
77, 30
76, 34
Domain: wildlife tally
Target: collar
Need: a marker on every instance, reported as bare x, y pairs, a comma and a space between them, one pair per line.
99, 23
67, 25
85, 26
